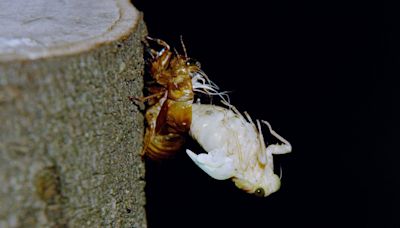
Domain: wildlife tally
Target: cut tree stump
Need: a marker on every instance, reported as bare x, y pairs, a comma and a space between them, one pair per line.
70, 137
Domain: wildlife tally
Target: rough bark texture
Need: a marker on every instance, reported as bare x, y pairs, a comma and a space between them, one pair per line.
70, 138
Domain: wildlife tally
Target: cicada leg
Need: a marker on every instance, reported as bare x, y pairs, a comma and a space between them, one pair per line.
159, 42
283, 148
153, 118
146, 98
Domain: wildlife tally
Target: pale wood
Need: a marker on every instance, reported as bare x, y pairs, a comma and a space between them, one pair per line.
69, 136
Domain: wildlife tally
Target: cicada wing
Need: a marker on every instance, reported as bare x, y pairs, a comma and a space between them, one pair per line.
220, 169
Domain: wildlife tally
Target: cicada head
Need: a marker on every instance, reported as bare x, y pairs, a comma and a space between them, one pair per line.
185, 66
260, 185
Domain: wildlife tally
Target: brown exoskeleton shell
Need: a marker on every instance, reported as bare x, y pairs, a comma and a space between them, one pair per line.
170, 99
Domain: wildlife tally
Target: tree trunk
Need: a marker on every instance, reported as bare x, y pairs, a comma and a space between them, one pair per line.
70, 137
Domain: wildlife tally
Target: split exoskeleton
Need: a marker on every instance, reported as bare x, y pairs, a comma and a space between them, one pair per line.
175, 78
234, 144
170, 102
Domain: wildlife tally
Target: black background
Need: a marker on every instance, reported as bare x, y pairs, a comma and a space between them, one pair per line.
322, 73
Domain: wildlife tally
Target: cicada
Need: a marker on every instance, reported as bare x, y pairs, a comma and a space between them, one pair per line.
235, 148
233, 143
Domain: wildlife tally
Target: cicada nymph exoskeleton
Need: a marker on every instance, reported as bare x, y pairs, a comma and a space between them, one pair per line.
174, 79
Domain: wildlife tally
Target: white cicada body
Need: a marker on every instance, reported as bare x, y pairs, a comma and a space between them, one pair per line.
235, 148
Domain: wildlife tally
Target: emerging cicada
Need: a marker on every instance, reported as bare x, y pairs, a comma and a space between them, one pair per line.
175, 78
235, 148
234, 145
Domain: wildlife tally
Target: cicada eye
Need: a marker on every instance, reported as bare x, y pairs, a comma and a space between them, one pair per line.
193, 62
259, 192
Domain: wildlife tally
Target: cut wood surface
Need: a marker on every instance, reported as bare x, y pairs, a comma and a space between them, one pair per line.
70, 137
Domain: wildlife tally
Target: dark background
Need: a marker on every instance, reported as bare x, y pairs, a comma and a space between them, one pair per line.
322, 73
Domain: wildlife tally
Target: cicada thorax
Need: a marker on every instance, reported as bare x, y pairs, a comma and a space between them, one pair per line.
169, 114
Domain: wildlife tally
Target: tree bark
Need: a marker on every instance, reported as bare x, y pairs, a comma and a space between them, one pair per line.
70, 137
